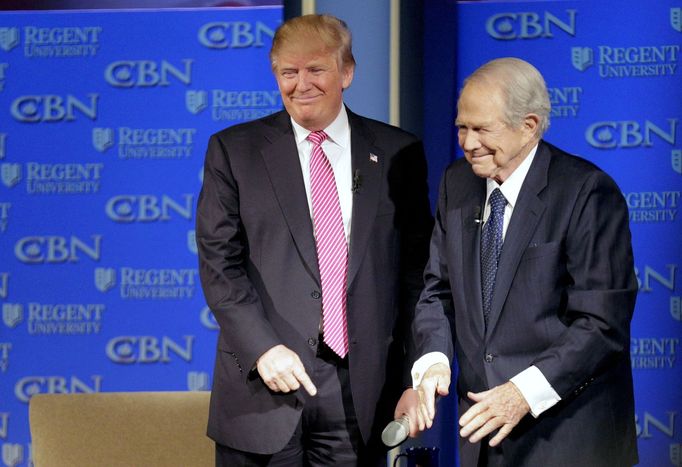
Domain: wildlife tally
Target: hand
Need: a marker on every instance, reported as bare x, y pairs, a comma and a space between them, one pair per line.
409, 405
436, 380
501, 407
282, 371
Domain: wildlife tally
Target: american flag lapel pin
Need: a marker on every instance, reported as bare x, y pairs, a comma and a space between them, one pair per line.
373, 157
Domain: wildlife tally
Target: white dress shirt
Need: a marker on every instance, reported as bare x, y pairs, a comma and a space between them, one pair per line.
337, 149
530, 382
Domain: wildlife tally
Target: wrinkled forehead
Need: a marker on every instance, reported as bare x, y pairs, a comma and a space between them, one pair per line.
481, 92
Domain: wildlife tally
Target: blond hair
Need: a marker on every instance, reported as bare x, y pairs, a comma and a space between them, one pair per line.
311, 31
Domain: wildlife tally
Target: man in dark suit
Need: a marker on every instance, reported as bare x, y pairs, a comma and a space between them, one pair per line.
531, 280
313, 227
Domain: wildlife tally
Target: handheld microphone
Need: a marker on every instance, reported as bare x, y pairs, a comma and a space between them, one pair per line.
396, 432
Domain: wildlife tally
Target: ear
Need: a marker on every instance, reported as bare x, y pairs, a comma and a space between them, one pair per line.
530, 125
347, 75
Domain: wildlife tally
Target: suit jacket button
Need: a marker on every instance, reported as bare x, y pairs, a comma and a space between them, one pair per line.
312, 341
315, 294
489, 357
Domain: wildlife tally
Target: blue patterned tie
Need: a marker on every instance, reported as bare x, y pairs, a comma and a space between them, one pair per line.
491, 246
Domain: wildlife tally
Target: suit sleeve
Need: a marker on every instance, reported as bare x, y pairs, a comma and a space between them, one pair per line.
431, 327
600, 297
223, 256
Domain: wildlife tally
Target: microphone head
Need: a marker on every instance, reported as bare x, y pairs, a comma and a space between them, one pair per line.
396, 432
357, 181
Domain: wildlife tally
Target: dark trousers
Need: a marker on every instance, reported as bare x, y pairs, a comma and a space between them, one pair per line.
326, 435
490, 457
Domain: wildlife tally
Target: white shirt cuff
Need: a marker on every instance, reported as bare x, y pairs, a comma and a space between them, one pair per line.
536, 390
424, 363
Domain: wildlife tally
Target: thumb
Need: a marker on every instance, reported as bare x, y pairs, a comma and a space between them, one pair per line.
443, 387
477, 396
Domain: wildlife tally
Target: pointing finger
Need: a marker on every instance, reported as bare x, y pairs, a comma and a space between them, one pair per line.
305, 381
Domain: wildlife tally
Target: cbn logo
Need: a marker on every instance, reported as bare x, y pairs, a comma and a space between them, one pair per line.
148, 208
196, 101
148, 349
9, 38
105, 279
236, 34
528, 25
12, 314
53, 108
644, 424
102, 138
650, 273
56, 249
629, 134
31, 385
146, 73
10, 174
582, 58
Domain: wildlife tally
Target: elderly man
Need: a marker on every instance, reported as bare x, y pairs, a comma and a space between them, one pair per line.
531, 280
313, 227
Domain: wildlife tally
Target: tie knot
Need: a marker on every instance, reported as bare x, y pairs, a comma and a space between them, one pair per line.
317, 137
497, 200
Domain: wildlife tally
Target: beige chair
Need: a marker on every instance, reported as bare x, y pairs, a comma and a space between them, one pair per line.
162, 429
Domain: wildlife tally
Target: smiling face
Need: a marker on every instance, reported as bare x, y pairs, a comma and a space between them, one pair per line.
311, 81
492, 146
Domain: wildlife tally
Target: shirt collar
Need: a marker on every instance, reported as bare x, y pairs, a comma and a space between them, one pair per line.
512, 186
338, 131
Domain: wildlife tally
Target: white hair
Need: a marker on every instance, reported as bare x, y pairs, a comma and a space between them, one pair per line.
522, 87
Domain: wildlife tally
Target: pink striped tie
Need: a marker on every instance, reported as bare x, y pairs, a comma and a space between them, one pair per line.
332, 250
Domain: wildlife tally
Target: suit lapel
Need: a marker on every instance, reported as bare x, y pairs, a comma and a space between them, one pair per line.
284, 170
470, 253
527, 212
368, 165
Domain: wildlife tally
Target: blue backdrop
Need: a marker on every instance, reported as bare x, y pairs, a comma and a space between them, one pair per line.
105, 119
613, 72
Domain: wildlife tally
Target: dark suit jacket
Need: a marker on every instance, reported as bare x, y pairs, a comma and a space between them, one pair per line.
564, 296
259, 272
